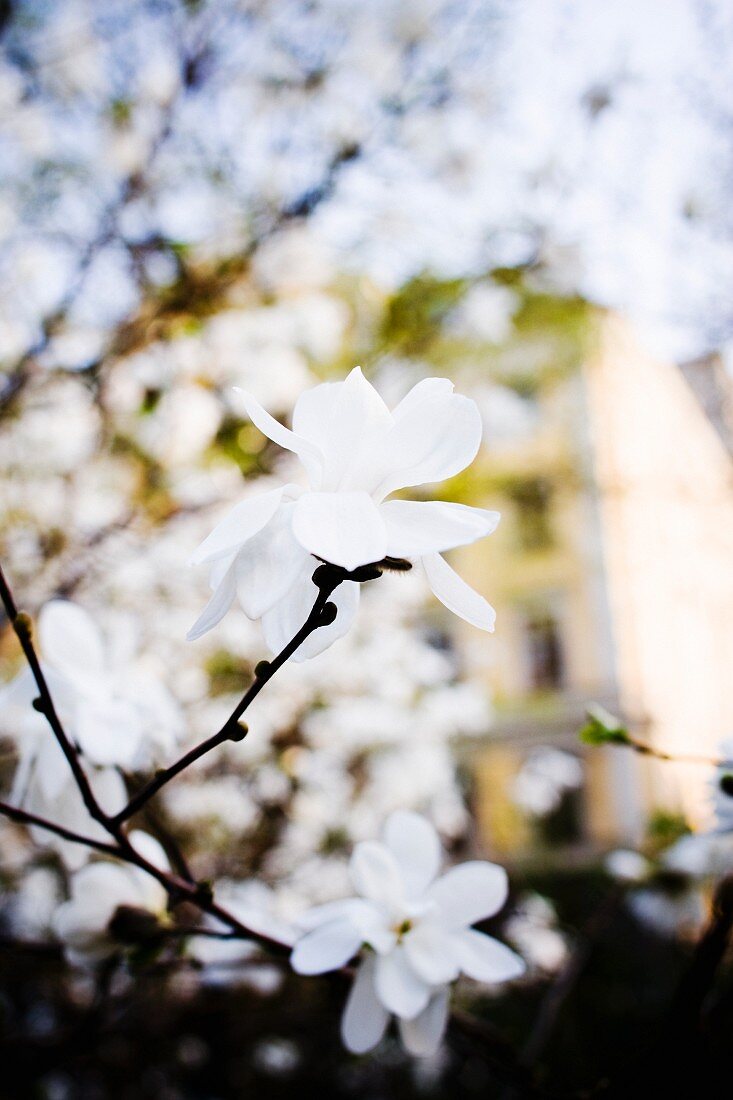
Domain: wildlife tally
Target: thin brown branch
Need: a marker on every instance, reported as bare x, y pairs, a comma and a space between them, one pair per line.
327, 578
23, 629
22, 817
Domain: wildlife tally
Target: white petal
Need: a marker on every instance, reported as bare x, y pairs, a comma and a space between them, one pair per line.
20, 692
423, 1035
283, 621
398, 987
348, 421
219, 570
371, 921
415, 527
353, 909
71, 641
96, 891
241, 524
110, 792
470, 892
308, 453
342, 528
109, 732
152, 894
51, 770
269, 565
375, 873
484, 958
150, 849
430, 953
217, 606
328, 947
416, 846
435, 435
456, 595
365, 1018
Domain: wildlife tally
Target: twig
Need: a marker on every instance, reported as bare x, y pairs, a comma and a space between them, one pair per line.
22, 627
326, 579
329, 577
24, 818
682, 758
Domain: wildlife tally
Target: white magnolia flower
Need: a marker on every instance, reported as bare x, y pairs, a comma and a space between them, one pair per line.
418, 928
98, 891
355, 453
627, 865
545, 777
115, 716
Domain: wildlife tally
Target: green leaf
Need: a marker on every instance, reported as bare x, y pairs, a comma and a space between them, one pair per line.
603, 728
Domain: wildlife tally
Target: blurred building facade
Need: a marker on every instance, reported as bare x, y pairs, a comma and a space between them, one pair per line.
611, 574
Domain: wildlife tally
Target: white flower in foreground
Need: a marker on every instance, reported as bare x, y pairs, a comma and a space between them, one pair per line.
418, 928
98, 891
355, 453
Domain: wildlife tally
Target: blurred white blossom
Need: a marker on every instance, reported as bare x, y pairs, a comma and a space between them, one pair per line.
97, 891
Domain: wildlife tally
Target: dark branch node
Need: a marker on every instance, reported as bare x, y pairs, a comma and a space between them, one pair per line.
328, 615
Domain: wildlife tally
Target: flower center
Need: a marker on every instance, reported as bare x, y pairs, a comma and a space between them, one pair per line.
402, 928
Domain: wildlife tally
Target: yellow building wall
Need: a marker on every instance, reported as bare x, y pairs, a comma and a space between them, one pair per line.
665, 481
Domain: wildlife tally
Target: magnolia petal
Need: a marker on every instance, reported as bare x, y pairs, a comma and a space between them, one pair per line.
308, 453
435, 435
485, 959
70, 640
342, 528
97, 890
217, 606
456, 595
51, 768
371, 921
469, 892
376, 874
348, 421
354, 909
269, 565
422, 1036
327, 947
415, 527
67, 808
416, 846
283, 621
244, 521
398, 986
109, 732
429, 950
20, 692
111, 794
219, 569
22, 777
365, 1018
152, 894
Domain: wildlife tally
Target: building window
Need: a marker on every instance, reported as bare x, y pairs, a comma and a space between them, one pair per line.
544, 653
532, 500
